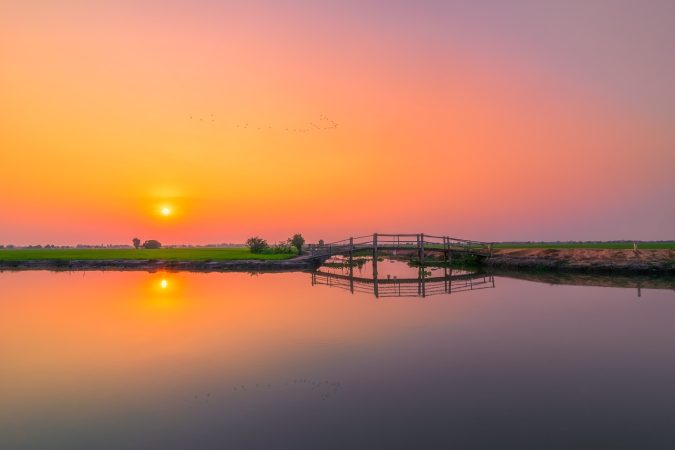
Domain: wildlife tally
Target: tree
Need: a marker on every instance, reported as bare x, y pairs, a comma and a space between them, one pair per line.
297, 241
321, 244
257, 244
137, 243
152, 244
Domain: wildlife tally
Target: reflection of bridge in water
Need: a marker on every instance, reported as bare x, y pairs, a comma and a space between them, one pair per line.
422, 286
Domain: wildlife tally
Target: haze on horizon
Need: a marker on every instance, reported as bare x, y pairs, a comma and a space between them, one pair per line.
527, 121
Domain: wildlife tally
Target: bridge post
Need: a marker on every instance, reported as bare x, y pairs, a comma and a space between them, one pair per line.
420, 247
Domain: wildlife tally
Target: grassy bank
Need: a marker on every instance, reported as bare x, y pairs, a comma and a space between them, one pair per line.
167, 254
590, 245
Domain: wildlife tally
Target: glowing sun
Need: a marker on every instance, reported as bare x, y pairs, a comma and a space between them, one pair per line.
166, 211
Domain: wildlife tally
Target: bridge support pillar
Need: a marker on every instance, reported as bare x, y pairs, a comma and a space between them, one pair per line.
420, 247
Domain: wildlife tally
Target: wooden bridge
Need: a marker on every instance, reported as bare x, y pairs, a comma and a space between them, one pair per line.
417, 243
422, 286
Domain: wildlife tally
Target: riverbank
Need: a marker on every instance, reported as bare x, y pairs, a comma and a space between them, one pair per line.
130, 254
301, 263
165, 259
568, 260
585, 260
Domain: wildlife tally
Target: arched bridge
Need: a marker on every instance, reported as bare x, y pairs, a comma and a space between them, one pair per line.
418, 243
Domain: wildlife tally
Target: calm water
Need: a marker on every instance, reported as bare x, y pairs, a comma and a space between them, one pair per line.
132, 360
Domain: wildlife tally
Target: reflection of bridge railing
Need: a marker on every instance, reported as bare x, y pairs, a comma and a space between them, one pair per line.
419, 243
421, 286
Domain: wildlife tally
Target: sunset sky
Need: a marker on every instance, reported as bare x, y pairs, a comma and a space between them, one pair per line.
490, 120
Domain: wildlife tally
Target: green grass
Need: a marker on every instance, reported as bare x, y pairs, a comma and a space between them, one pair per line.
599, 245
176, 254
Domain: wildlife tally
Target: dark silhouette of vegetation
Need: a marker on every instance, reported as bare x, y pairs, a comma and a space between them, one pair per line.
282, 248
321, 244
297, 241
257, 244
152, 244
137, 243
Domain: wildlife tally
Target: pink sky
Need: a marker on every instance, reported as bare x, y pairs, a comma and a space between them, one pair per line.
492, 122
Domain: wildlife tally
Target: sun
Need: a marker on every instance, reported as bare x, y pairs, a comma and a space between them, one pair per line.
166, 211
163, 284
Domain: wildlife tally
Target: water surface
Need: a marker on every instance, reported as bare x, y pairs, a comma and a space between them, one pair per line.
133, 360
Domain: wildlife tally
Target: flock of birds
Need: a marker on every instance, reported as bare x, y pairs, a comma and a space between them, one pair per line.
322, 124
325, 388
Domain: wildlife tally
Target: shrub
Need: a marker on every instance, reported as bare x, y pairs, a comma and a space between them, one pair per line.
257, 244
297, 241
152, 244
283, 248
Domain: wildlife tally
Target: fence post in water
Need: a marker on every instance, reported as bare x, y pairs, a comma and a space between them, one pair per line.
374, 245
375, 287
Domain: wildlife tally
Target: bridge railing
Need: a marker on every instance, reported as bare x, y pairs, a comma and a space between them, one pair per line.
418, 241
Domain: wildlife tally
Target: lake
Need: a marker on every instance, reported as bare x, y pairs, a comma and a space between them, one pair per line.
135, 360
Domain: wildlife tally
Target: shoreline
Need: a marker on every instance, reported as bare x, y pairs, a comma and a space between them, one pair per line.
585, 261
301, 263
533, 260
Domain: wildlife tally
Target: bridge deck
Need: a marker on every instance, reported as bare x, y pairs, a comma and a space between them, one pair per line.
419, 243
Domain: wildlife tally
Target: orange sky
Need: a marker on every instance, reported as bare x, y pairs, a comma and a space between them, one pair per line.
527, 123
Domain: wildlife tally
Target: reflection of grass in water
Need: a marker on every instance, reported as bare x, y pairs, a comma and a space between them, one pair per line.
460, 261
356, 262
457, 261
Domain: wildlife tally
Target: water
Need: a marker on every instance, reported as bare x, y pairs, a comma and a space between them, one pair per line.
132, 360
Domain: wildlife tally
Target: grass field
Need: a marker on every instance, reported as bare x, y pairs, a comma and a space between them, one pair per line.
599, 245
177, 254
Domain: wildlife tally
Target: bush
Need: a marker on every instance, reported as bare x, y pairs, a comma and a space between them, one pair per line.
151, 244
283, 248
257, 244
297, 241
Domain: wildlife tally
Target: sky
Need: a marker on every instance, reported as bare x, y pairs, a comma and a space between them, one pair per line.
487, 120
